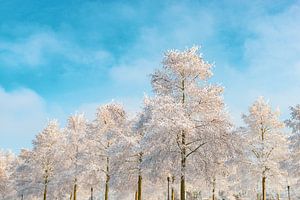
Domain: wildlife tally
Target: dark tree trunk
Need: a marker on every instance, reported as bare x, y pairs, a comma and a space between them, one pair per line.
183, 151
214, 189
92, 196
172, 190
183, 164
289, 196
107, 179
75, 190
45, 191
168, 179
140, 188
140, 177
264, 193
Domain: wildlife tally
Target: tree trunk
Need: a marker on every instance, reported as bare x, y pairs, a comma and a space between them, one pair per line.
92, 196
289, 196
107, 179
75, 189
45, 191
172, 190
264, 193
136, 195
71, 196
140, 177
172, 194
214, 189
183, 152
22, 197
106, 187
183, 164
140, 188
168, 179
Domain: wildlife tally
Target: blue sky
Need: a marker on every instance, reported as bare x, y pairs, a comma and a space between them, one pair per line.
59, 57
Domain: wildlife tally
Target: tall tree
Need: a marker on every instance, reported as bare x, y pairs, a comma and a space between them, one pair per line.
46, 154
293, 166
7, 159
188, 111
75, 134
106, 133
23, 176
131, 163
36, 169
267, 143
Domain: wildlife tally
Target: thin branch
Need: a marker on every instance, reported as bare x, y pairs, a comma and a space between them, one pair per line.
194, 141
196, 149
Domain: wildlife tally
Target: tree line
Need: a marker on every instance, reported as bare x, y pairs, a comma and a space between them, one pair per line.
181, 145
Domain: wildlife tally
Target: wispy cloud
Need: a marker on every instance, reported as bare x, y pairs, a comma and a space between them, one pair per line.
273, 63
23, 114
41, 48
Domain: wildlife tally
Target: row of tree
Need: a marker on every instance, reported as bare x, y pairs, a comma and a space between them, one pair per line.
182, 137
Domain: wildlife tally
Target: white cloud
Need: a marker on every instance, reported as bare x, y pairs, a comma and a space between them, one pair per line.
29, 51
22, 115
40, 48
272, 57
134, 72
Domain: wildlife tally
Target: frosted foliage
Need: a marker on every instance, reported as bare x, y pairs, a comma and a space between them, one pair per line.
176, 65
108, 127
188, 62
262, 119
268, 145
77, 123
107, 138
38, 168
294, 124
45, 148
6, 161
187, 118
111, 116
73, 164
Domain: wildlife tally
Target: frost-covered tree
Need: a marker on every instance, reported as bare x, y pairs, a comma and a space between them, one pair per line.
294, 165
46, 155
131, 165
242, 183
23, 177
75, 134
36, 169
105, 135
267, 143
6, 188
188, 113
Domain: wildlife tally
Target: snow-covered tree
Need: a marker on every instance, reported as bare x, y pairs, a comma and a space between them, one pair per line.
267, 143
105, 135
131, 165
294, 165
188, 113
36, 169
75, 134
6, 188
23, 177
46, 155
242, 183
